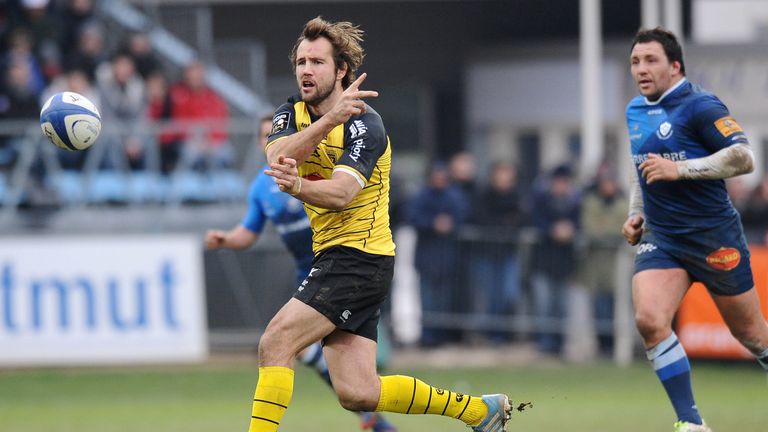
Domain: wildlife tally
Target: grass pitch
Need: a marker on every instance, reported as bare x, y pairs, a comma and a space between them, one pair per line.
218, 398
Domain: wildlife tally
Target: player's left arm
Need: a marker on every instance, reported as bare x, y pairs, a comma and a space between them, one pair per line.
365, 142
732, 155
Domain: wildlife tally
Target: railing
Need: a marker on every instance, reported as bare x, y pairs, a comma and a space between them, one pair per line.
105, 175
245, 291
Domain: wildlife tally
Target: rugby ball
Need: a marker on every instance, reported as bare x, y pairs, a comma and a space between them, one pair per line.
70, 121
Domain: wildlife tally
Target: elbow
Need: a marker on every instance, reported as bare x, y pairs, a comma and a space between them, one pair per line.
747, 160
341, 201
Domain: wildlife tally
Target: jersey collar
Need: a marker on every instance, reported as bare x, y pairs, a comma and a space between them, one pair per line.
669, 90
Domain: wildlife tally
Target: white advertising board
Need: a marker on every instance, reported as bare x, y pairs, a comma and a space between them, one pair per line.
91, 300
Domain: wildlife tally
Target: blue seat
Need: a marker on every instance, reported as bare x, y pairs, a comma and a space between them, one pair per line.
227, 185
68, 186
146, 187
107, 187
190, 186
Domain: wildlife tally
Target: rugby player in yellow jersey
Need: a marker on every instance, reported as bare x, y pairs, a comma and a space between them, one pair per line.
329, 149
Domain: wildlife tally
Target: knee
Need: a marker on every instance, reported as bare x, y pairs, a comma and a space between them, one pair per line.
273, 350
651, 326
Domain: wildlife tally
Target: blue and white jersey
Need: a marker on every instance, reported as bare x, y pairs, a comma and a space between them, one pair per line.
686, 122
266, 202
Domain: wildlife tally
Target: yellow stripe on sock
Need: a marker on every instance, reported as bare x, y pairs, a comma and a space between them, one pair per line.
408, 395
271, 399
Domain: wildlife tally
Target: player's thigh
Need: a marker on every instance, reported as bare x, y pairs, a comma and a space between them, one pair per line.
744, 317
294, 327
657, 294
351, 362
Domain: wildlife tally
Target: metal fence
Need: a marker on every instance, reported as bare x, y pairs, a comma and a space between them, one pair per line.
246, 288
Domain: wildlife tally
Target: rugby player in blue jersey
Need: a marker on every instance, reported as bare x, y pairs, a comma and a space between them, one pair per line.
684, 143
267, 202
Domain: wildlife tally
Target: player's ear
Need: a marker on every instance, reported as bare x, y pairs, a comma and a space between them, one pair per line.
342, 71
676, 67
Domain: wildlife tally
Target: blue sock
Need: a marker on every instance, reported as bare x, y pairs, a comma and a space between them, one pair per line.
671, 365
313, 358
763, 359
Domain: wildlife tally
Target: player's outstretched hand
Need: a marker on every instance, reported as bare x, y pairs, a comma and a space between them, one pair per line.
633, 229
657, 168
214, 239
351, 102
286, 175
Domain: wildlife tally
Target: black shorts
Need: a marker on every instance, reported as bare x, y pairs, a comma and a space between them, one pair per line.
348, 286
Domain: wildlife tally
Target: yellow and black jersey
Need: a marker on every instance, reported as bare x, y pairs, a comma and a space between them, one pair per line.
360, 147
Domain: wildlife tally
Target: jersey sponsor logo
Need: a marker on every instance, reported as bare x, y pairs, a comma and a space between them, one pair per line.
674, 156
727, 126
655, 111
645, 248
357, 147
280, 122
725, 259
665, 131
357, 128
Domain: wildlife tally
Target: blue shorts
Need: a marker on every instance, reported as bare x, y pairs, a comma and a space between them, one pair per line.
718, 258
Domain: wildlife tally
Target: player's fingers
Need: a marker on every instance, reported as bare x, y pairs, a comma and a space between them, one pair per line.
365, 94
356, 84
289, 161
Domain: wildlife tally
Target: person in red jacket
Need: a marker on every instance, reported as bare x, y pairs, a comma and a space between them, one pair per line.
205, 116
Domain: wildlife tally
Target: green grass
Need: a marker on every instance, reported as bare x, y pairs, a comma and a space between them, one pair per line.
217, 398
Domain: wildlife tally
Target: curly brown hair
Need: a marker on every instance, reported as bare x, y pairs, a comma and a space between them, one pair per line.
345, 38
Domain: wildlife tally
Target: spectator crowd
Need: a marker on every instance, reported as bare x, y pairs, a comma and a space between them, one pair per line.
152, 117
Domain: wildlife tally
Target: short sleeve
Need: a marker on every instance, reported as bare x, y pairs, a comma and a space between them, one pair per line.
283, 123
715, 125
364, 142
255, 218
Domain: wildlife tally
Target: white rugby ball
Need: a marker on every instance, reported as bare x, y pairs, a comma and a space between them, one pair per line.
70, 121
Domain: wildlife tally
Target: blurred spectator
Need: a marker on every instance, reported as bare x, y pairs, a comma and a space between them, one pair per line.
556, 211
90, 52
123, 107
20, 50
436, 211
603, 211
193, 101
20, 93
755, 214
18, 101
495, 270
76, 14
463, 171
44, 28
159, 110
75, 80
140, 48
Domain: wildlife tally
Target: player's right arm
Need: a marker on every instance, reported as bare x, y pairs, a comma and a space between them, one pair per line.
633, 226
299, 145
238, 237
247, 232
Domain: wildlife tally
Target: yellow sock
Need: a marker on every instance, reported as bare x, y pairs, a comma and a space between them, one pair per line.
407, 395
273, 394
